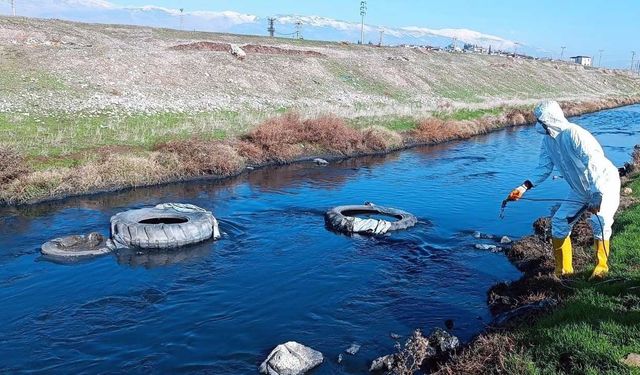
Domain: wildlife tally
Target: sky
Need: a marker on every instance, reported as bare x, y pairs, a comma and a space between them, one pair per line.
543, 26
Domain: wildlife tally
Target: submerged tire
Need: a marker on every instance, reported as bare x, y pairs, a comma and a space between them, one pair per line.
77, 246
164, 226
343, 219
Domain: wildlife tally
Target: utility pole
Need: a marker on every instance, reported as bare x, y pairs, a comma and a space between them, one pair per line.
13, 7
600, 58
562, 53
271, 29
298, 29
381, 35
515, 49
633, 56
181, 18
363, 12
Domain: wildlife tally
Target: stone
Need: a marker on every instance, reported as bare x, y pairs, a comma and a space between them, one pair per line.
320, 161
442, 341
382, 363
505, 240
484, 246
627, 191
632, 360
353, 349
238, 52
340, 358
479, 235
395, 336
291, 358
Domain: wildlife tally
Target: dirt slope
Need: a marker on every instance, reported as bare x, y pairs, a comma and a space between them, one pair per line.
51, 65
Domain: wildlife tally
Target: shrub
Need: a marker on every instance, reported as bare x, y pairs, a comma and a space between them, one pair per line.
12, 165
199, 157
377, 138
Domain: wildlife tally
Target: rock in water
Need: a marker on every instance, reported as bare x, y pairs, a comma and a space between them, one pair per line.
291, 358
353, 349
505, 240
319, 161
483, 246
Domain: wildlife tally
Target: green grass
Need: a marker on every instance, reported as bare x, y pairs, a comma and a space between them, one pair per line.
599, 324
53, 135
398, 124
15, 79
468, 114
360, 81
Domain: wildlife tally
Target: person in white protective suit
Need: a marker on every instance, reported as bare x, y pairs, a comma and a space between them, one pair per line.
594, 182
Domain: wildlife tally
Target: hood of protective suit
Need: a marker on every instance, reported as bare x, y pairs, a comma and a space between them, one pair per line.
550, 113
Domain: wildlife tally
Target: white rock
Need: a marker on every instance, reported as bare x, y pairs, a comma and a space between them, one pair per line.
238, 52
505, 240
382, 363
483, 246
353, 349
291, 358
320, 161
627, 191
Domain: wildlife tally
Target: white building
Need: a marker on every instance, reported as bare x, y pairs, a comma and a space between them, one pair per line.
582, 60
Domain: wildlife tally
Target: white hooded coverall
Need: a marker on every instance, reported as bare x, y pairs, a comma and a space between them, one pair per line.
580, 159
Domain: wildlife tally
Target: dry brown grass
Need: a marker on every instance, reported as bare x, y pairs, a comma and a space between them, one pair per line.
110, 172
12, 165
198, 157
490, 353
377, 138
286, 137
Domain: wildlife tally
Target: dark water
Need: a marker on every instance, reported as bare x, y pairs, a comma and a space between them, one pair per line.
277, 274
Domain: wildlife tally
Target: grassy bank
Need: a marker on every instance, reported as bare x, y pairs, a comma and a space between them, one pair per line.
595, 326
54, 156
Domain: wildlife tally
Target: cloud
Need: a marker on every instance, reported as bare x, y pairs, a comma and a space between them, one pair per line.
464, 35
230, 21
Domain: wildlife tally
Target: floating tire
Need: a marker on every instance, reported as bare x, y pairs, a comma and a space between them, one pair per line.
164, 226
344, 219
77, 246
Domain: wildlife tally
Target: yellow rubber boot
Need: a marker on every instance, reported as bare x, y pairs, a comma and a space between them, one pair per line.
602, 254
563, 253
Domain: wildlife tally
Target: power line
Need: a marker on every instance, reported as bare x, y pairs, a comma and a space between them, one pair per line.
363, 12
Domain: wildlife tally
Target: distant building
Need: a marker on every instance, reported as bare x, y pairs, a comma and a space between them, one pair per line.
582, 60
472, 48
453, 48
